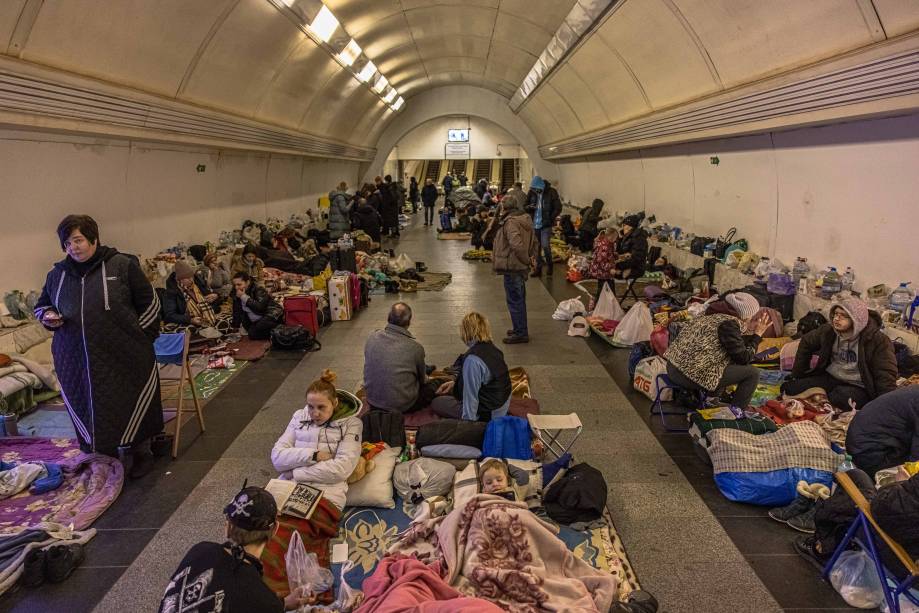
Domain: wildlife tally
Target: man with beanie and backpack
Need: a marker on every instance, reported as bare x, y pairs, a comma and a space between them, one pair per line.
228, 577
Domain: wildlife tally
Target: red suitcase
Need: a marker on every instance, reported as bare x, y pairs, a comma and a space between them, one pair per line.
302, 311
354, 284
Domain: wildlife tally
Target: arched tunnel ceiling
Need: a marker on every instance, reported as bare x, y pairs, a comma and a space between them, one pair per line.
246, 58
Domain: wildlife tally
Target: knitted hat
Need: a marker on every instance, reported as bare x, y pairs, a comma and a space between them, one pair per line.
633, 221
745, 304
183, 271
253, 508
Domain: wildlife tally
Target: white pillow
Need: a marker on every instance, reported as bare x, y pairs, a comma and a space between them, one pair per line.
375, 489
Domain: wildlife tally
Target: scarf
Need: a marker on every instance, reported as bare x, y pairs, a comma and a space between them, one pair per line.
198, 306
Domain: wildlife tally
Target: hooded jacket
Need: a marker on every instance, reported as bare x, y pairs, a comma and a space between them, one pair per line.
292, 455
551, 203
877, 364
515, 243
366, 218
103, 352
592, 217
339, 213
885, 432
175, 304
634, 244
260, 302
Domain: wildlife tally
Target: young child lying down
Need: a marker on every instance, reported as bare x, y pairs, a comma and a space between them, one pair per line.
495, 479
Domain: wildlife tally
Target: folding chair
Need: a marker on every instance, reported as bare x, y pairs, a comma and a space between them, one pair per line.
663, 382
629, 291
173, 349
865, 523
550, 427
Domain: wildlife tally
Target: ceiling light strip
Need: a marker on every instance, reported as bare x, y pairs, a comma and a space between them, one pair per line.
318, 22
580, 19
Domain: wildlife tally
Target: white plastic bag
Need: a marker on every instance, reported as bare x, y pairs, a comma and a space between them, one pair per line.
645, 380
569, 308
608, 307
635, 327
856, 580
697, 309
304, 575
347, 598
402, 263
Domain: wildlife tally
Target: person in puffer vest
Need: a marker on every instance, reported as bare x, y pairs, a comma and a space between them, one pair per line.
713, 352
105, 316
855, 359
482, 388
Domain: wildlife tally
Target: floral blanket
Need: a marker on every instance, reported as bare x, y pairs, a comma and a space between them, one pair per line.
92, 482
499, 551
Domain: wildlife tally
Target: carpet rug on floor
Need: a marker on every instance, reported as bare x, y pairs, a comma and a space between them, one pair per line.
210, 381
454, 236
369, 532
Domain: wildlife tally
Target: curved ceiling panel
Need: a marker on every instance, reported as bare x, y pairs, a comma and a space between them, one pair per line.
897, 16
543, 121
9, 17
616, 88
570, 86
335, 94
767, 37
296, 84
559, 109
125, 41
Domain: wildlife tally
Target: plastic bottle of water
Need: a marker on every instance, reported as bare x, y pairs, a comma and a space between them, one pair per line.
848, 278
800, 270
846, 465
901, 298
832, 284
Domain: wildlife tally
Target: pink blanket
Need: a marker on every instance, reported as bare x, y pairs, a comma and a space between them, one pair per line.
406, 584
497, 550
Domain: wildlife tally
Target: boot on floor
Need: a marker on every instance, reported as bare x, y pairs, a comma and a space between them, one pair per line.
807, 497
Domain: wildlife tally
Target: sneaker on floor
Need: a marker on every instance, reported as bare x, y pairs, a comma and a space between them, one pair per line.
142, 464
33, 568
804, 522
799, 505
62, 560
806, 547
513, 339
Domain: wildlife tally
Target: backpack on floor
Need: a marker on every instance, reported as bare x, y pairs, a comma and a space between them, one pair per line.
508, 437
294, 338
578, 496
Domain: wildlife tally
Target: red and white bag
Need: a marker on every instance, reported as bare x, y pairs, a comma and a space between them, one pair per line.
645, 379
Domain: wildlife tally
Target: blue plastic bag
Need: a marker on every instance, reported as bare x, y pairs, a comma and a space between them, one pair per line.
773, 489
508, 437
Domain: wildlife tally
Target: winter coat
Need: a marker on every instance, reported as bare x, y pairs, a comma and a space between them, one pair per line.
448, 183
292, 455
885, 432
707, 345
256, 270
103, 352
389, 206
339, 213
877, 363
591, 218
175, 304
603, 259
480, 189
896, 510
551, 205
394, 369
367, 218
260, 302
217, 281
636, 245
515, 244
413, 191
429, 195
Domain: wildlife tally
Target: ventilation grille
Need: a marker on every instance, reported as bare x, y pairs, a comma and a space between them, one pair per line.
22, 94
885, 78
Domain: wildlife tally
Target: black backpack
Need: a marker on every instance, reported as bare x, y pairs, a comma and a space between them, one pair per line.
809, 323
385, 426
578, 496
294, 338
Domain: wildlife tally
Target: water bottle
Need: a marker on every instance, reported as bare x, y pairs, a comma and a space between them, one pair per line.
846, 465
900, 298
848, 278
832, 284
800, 270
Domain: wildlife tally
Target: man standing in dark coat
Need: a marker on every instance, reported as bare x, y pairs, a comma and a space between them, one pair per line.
105, 316
429, 198
544, 206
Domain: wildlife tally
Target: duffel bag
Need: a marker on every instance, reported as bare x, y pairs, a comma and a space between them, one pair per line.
294, 338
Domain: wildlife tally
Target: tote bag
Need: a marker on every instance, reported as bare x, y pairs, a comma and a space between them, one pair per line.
608, 307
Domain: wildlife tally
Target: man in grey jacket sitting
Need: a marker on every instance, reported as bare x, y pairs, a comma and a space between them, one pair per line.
395, 376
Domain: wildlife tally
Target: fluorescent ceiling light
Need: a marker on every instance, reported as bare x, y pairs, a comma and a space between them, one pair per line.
289, 3
398, 104
367, 72
381, 84
390, 96
350, 53
324, 24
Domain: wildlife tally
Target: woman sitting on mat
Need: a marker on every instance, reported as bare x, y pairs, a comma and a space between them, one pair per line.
320, 447
711, 352
482, 389
254, 309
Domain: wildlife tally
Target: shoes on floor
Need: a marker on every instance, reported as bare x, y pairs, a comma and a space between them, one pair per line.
141, 465
806, 547
33, 568
638, 601
804, 522
161, 444
61, 560
808, 494
513, 339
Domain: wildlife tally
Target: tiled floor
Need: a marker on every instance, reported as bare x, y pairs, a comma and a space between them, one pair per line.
689, 546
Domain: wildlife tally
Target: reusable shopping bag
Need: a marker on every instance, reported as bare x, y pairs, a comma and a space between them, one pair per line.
635, 326
645, 379
608, 307
660, 338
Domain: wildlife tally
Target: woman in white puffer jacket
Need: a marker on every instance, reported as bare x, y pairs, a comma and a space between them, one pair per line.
322, 443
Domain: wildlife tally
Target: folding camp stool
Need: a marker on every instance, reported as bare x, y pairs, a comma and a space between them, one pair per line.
549, 429
629, 291
663, 382
865, 523
173, 349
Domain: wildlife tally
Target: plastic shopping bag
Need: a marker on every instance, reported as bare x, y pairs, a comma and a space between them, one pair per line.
608, 307
635, 327
645, 379
304, 574
569, 308
402, 263
856, 580
346, 598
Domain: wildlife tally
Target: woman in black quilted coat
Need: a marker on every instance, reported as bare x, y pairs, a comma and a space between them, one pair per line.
105, 317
